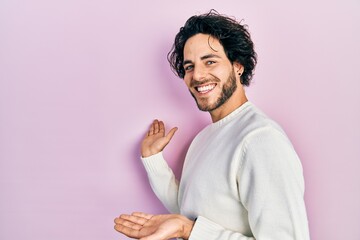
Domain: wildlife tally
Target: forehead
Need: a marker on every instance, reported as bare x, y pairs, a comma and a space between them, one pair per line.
202, 44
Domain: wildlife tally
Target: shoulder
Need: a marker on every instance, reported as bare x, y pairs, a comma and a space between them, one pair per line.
255, 123
265, 140
269, 149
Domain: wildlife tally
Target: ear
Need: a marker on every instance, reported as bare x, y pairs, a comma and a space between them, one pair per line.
239, 69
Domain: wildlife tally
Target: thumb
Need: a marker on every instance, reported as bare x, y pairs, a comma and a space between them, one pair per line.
171, 134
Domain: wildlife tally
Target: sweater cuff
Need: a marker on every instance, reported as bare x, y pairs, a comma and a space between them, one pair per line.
155, 163
205, 229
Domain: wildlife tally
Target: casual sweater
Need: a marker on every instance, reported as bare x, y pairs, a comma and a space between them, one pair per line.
241, 180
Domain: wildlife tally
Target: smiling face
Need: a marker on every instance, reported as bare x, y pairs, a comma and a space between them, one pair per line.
209, 74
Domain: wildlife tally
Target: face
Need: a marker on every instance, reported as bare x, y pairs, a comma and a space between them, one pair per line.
209, 74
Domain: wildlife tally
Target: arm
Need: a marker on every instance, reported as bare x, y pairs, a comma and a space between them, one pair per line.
162, 181
161, 177
271, 187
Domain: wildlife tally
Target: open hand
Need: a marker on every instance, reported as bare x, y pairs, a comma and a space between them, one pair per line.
154, 227
156, 140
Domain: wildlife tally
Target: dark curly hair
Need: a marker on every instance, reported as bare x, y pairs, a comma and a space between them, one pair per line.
233, 36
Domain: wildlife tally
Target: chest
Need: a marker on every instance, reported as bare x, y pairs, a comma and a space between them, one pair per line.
209, 176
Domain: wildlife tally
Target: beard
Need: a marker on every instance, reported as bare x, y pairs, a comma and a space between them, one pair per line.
227, 91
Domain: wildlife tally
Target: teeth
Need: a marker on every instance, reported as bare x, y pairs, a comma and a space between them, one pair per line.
206, 88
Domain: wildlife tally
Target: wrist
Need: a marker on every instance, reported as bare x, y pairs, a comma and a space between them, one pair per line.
148, 154
187, 226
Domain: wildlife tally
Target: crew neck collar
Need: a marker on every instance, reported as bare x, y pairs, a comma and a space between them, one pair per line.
231, 115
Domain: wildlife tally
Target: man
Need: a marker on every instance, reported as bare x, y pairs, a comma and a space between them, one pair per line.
241, 177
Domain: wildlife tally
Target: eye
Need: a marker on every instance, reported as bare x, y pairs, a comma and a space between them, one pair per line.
209, 62
188, 67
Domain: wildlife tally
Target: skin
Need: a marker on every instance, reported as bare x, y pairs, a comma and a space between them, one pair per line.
208, 75
154, 227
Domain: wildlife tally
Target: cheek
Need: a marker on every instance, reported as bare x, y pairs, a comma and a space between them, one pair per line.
222, 72
187, 80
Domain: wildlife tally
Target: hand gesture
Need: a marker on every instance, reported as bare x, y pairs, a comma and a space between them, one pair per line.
156, 140
154, 227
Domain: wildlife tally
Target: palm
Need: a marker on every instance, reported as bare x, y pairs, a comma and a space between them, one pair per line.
156, 140
161, 226
153, 227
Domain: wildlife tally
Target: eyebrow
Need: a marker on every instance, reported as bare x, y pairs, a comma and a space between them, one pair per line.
202, 58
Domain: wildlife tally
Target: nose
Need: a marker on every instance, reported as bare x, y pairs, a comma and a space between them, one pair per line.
199, 73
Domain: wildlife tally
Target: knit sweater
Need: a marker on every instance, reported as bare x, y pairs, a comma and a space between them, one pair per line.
241, 180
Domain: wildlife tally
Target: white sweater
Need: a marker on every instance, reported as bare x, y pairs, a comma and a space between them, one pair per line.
241, 179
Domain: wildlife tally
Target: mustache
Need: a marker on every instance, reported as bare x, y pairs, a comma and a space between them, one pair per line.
194, 82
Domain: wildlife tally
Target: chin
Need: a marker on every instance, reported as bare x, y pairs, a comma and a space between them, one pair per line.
207, 107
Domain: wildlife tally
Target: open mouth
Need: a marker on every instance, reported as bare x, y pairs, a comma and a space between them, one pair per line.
205, 88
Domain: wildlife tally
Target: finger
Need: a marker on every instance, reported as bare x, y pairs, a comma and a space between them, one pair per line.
133, 233
128, 224
135, 219
171, 133
143, 215
161, 127
156, 126
152, 127
119, 220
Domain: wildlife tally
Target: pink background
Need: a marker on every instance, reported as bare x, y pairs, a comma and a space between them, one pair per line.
80, 82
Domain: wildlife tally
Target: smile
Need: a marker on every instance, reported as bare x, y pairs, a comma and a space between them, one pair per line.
205, 88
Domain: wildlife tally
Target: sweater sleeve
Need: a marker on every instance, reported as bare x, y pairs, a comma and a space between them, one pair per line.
209, 230
271, 187
162, 181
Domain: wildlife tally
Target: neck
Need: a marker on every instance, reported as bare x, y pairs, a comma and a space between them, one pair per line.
235, 101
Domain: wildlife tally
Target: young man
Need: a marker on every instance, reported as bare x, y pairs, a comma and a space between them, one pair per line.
241, 178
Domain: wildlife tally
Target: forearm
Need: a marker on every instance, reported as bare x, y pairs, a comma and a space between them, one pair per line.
162, 181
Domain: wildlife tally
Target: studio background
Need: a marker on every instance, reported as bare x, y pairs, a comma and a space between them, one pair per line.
81, 81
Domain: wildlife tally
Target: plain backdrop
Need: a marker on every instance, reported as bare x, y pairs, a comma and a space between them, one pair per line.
81, 81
